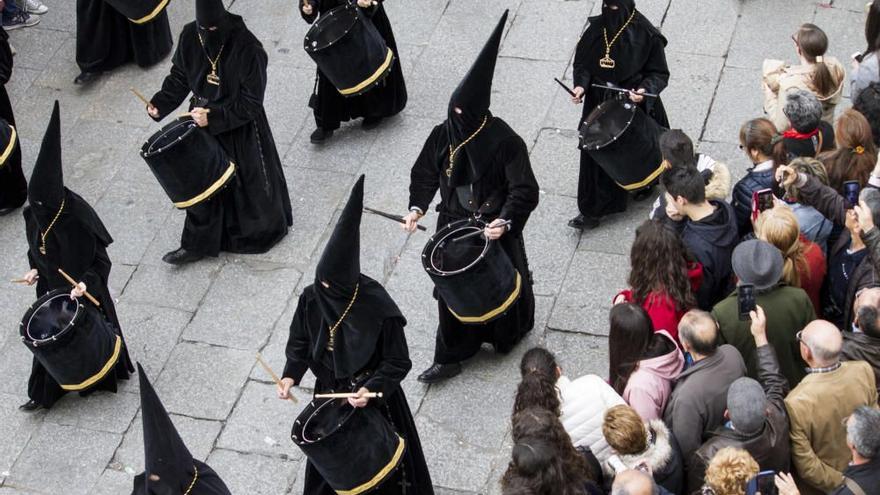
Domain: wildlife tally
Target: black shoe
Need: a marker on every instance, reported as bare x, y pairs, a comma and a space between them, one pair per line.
320, 135
439, 372
370, 123
30, 406
582, 222
181, 256
86, 78
6, 211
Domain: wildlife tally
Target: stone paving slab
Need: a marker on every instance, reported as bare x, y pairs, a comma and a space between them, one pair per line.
198, 434
239, 471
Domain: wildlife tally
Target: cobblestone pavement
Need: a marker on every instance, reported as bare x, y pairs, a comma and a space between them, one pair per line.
197, 329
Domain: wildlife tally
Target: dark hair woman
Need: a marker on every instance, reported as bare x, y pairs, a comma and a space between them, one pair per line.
765, 148
544, 462
662, 278
855, 156
866, 69
642, 364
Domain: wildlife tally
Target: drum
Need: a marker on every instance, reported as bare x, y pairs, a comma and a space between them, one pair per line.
73, 341
624, 141
8, 141
349, 50
139, 11
329, 431
189, 163
474, 276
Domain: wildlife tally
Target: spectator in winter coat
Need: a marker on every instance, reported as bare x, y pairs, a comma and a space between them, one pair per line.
708, 230
863, 440
866, 69
867, 103
756, 414
855, 155
808, 135
643, 364
815, 227
765, 148
863, 342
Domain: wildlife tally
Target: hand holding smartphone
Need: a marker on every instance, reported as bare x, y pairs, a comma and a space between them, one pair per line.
762, 484
851, 190
761, 201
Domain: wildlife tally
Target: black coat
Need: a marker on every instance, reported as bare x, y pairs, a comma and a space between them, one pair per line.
13, 185
866, 476
862, 347
255, 206
389, 365
385, 100
741, 198
106, 39
508, 182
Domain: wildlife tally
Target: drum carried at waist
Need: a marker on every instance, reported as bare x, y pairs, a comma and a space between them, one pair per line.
328, 431
624, 141
189, 163
474, 276
76, 344
349, 50
139, 11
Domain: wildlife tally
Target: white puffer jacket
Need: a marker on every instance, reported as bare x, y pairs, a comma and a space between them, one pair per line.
584, 402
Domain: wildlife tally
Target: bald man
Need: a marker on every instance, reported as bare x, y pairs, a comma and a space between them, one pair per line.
817, 407
634, 482
863, 342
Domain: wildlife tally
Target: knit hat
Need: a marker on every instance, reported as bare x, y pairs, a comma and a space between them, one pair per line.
758, 263
746, 404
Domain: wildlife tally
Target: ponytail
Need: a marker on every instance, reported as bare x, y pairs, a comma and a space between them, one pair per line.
813, 44
761, 134
779, 227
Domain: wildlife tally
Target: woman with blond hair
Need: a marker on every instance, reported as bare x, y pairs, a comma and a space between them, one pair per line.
729, 472
855, 155
804, 261
817, 73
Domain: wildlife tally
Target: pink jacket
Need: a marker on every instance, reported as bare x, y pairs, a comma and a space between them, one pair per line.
650, 385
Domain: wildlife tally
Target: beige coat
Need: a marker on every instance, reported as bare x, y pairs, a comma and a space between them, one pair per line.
816, 410
780, 78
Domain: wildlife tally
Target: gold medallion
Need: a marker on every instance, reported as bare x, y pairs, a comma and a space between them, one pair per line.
43, 250
213, 78
606, 62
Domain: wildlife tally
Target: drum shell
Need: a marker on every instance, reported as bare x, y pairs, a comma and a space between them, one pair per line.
379, 448
191, 169
139, 11
83, 354
633, 160
481, 294
358, 60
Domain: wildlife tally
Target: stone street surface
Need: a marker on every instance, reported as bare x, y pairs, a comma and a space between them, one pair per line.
197, 329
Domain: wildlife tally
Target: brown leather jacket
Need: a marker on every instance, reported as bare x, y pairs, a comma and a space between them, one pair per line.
770, 447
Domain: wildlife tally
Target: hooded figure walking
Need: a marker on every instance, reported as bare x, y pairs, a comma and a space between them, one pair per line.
223, 65
619, 48
13, 186
349, 332
63, 231
330, 107
168, 465
475, 155
106, 39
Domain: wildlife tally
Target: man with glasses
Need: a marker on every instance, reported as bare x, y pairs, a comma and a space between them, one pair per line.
817, 407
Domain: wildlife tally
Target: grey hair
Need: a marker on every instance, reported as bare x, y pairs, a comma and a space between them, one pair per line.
803, 110
863, 431
871, 196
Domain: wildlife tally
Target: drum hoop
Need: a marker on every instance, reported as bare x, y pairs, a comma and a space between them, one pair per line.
314, 414
329, 15
592, 117
38, 342
442, 273
150, 152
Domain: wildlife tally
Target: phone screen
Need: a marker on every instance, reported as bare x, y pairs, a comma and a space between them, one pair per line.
745, 297
764, 200
851, 193
764, 483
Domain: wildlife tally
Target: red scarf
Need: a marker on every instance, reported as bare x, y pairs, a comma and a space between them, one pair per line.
793, 134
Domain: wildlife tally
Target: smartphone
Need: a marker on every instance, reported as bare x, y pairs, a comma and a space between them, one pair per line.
851, 191
761, 201
764, 483
745, 299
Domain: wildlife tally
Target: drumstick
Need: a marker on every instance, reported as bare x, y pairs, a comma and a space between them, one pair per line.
140, 96
621, 90
478, 232
189, 114
566, 88
369, 395
274, 376
73, 283
18, 281
396, 218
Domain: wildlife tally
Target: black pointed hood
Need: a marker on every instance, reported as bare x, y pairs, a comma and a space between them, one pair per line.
472, 124
210, 13
8, 141
165, 454
46, 187
340, 264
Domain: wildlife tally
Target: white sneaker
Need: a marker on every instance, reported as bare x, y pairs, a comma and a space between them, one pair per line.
36, 7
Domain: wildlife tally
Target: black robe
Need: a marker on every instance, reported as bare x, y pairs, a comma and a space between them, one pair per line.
384, 100
510, 175
640, 63
78, 245
208, 482
389, 365
253, 212
13, 185
106, 39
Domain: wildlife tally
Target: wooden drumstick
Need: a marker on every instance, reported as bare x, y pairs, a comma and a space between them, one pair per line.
140, 96
75, 284
369, 395
18, 281
478, 232
274, 376
189, 114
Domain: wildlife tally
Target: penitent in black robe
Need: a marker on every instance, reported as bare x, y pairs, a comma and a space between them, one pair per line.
77, 243
253, 212
640, 63
106, 39
386, 99
387, 365
509, 178
13, 185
